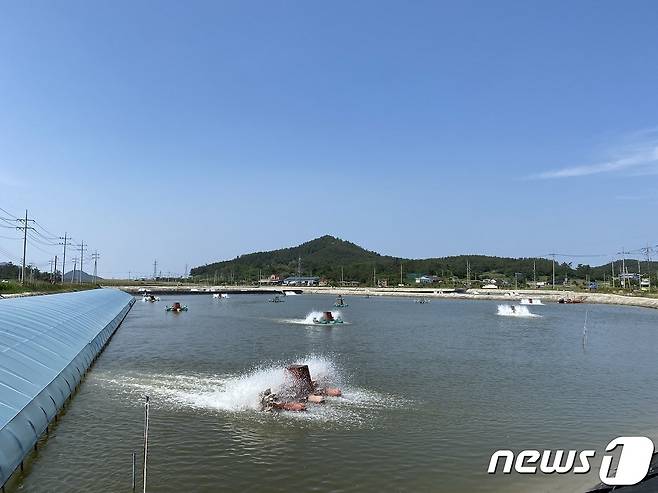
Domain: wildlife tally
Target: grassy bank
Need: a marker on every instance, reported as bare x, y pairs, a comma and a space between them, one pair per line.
15, 287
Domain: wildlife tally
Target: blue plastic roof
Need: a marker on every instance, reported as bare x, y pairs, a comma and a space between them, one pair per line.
46, 344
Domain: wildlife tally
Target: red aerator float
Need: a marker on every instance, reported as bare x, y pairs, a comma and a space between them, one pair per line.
300, 389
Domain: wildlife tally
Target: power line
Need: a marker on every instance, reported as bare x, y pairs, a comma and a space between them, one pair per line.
39, 237
52, 235
39, 240
10, 255
569, 255
45, 239
9, 213
29, 241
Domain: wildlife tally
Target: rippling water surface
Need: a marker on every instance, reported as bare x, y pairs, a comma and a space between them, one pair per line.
430, 391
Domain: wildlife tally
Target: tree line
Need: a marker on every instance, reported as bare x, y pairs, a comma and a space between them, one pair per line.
334, 259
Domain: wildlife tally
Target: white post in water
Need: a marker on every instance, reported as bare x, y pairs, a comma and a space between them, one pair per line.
146, 437
585, 329
133, 480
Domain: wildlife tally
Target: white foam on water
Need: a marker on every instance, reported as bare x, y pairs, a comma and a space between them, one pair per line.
240, 393
290, 293
516, 311
308, 320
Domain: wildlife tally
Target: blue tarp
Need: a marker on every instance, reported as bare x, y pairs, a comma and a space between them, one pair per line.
47, 343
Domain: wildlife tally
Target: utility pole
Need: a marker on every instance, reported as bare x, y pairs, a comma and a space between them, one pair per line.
553, 270
468, 273
55, 272
81, 247
25, 227
612, 279
401, 282
299, 270
623, 268
75, 262
374, 276
534, 272
65, 243
95, 256
146, 440
647, 252
155, 269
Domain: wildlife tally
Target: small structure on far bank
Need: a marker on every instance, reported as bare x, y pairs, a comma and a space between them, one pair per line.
301, 281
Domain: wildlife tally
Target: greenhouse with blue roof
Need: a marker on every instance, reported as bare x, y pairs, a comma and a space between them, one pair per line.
47, 343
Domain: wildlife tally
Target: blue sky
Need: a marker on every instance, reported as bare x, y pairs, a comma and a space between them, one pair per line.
197, 131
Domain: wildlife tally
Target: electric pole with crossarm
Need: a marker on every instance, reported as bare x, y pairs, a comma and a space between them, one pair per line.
66, 243
24, 228
81, 247
95, 256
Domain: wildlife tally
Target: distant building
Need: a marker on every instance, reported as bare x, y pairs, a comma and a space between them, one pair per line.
272, 280
629, 276
426, 279
351, 284
382, 283
301, 281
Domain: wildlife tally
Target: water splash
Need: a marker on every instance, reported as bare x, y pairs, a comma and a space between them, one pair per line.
240, 393
515, 311
308, 320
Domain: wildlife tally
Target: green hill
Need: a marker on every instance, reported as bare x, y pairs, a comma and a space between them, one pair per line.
322, 257
325, 256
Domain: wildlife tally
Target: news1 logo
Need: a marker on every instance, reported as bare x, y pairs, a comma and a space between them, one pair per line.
633, 465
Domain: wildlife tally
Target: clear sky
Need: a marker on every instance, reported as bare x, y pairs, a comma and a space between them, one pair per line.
196, 131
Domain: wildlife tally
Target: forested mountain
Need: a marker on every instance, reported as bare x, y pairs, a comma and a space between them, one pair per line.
69, 277
325, 256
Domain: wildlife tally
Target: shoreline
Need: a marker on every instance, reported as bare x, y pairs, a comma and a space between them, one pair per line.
472, 294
